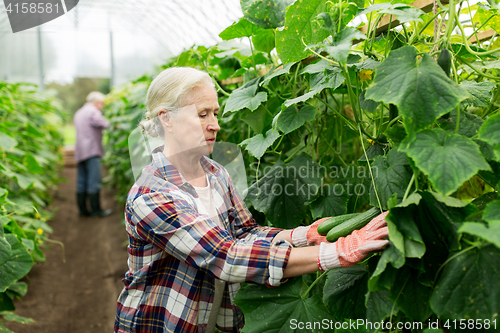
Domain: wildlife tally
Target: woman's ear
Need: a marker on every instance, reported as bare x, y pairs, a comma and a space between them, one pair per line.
165, 120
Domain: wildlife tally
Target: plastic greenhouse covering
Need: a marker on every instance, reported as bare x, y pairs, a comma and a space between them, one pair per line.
118, 39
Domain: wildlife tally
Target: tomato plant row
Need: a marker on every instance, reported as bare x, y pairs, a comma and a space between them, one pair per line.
30, 165
335, 121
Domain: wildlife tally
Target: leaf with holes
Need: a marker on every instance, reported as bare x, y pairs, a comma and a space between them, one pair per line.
300, 29
268, 14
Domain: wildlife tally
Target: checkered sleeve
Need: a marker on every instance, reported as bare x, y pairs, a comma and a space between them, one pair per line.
168, 221
245, 225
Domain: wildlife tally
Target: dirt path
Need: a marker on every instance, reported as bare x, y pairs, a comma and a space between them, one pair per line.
78, 296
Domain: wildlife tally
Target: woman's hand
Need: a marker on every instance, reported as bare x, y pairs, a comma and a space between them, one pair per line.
304, 236
348, 251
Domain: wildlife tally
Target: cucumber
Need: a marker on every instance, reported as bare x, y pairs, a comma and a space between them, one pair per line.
444, 61
352, 224
326, 225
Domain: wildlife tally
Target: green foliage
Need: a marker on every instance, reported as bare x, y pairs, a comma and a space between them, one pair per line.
280, 309
420, 89
335, 121
30, 166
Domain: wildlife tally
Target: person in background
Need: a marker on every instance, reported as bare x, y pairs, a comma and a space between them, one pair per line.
89, 124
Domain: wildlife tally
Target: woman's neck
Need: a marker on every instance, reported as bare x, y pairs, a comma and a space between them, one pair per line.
189, 166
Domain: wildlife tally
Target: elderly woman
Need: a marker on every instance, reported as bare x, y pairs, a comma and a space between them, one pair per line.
192, 240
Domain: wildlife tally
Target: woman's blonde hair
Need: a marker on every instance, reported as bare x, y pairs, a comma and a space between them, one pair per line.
168, 91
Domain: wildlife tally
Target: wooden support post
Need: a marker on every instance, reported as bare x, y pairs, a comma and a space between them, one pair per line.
385, 22
483, 35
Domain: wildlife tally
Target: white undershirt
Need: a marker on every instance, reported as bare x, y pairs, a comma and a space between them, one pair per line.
208, 207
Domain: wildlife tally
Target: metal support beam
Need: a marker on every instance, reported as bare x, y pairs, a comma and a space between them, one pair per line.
40, 58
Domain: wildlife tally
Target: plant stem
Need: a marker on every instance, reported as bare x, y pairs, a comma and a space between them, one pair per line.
347, 121
369, 167
453, 257
306, 293
477, 71
394, 120
466, 43
409, 187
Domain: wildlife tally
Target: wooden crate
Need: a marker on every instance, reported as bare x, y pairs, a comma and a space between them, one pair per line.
69, 156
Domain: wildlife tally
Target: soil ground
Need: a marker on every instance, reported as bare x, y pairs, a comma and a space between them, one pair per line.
78, 296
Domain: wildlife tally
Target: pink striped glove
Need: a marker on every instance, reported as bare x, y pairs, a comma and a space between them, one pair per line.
304, 236
348, 251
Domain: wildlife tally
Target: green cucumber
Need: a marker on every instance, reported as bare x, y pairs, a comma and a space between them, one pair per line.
326, 225
444, 61
352, 224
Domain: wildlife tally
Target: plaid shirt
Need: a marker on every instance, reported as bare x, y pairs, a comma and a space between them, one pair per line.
175, 253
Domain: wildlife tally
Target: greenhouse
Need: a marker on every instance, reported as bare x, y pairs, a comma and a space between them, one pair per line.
249, 166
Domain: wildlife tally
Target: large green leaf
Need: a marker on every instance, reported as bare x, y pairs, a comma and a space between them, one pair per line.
260, 120
469, 123
480, 92
469, 287
332, 202
344, 292
300, 28
448, 159
264, 40
283, 191
282, 309
291, 118
419, 88
379, 306
385, 275
340, 47
242, 28
391, 175
245, 97
403, 228
489, 233
490, 132
258, 144
410, 295
17, 266
265, 13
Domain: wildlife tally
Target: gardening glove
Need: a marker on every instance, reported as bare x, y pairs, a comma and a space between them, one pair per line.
348, 251
304, 236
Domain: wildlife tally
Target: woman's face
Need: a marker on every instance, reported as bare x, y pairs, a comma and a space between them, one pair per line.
194, 128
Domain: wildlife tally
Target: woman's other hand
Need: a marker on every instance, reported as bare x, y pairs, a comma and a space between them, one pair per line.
350, 250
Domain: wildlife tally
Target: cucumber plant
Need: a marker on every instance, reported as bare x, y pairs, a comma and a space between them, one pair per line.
30, 166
